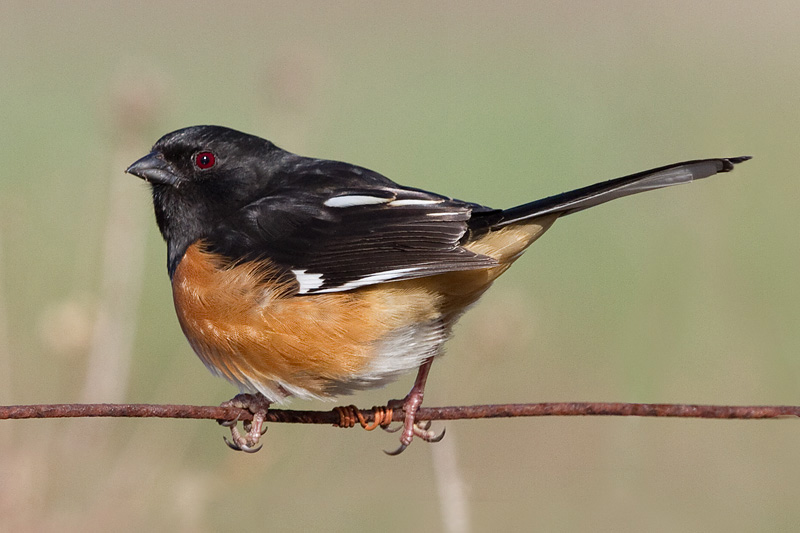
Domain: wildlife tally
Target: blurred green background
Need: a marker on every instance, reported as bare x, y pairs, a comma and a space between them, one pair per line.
684, 295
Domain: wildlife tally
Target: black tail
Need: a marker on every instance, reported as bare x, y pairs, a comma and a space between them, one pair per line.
585, 197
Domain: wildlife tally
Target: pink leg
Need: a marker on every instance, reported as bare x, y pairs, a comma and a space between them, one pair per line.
410, 406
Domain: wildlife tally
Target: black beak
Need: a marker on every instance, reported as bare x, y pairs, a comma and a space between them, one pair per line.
153, 169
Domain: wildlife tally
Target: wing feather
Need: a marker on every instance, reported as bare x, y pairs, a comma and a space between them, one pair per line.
340, 238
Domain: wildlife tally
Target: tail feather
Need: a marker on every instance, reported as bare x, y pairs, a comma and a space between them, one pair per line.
586, 197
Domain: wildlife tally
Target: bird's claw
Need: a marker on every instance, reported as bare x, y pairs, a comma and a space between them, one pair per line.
229, 423
396, 451
421, 430
257, 405
241, 447
431, 436
411, 428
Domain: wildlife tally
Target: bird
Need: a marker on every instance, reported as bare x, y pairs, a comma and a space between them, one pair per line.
298, 277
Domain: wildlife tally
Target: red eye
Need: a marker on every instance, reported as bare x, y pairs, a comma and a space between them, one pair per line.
204, 160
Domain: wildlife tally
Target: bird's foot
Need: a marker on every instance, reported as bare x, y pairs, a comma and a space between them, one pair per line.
411, 428
256, 404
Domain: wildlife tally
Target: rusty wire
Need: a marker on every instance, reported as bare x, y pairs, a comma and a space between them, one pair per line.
430, 413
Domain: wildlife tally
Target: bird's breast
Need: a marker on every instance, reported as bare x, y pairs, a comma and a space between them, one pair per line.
254, 330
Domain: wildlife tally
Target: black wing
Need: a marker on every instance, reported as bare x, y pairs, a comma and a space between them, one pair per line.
362, 231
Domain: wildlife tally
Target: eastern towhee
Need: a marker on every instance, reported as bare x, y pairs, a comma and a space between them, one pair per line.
295, 276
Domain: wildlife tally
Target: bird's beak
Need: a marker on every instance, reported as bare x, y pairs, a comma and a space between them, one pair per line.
153, 169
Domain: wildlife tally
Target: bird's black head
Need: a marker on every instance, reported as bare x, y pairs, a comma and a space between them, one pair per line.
200, 176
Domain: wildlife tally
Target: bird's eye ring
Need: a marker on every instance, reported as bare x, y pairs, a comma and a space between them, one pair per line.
204, 160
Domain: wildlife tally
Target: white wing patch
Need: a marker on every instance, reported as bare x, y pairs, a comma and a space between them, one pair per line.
373, 279
398, 203
458, 214
354, 200
308, 281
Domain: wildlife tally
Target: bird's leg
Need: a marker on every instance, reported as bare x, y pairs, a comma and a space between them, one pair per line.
256, 404
410, 406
